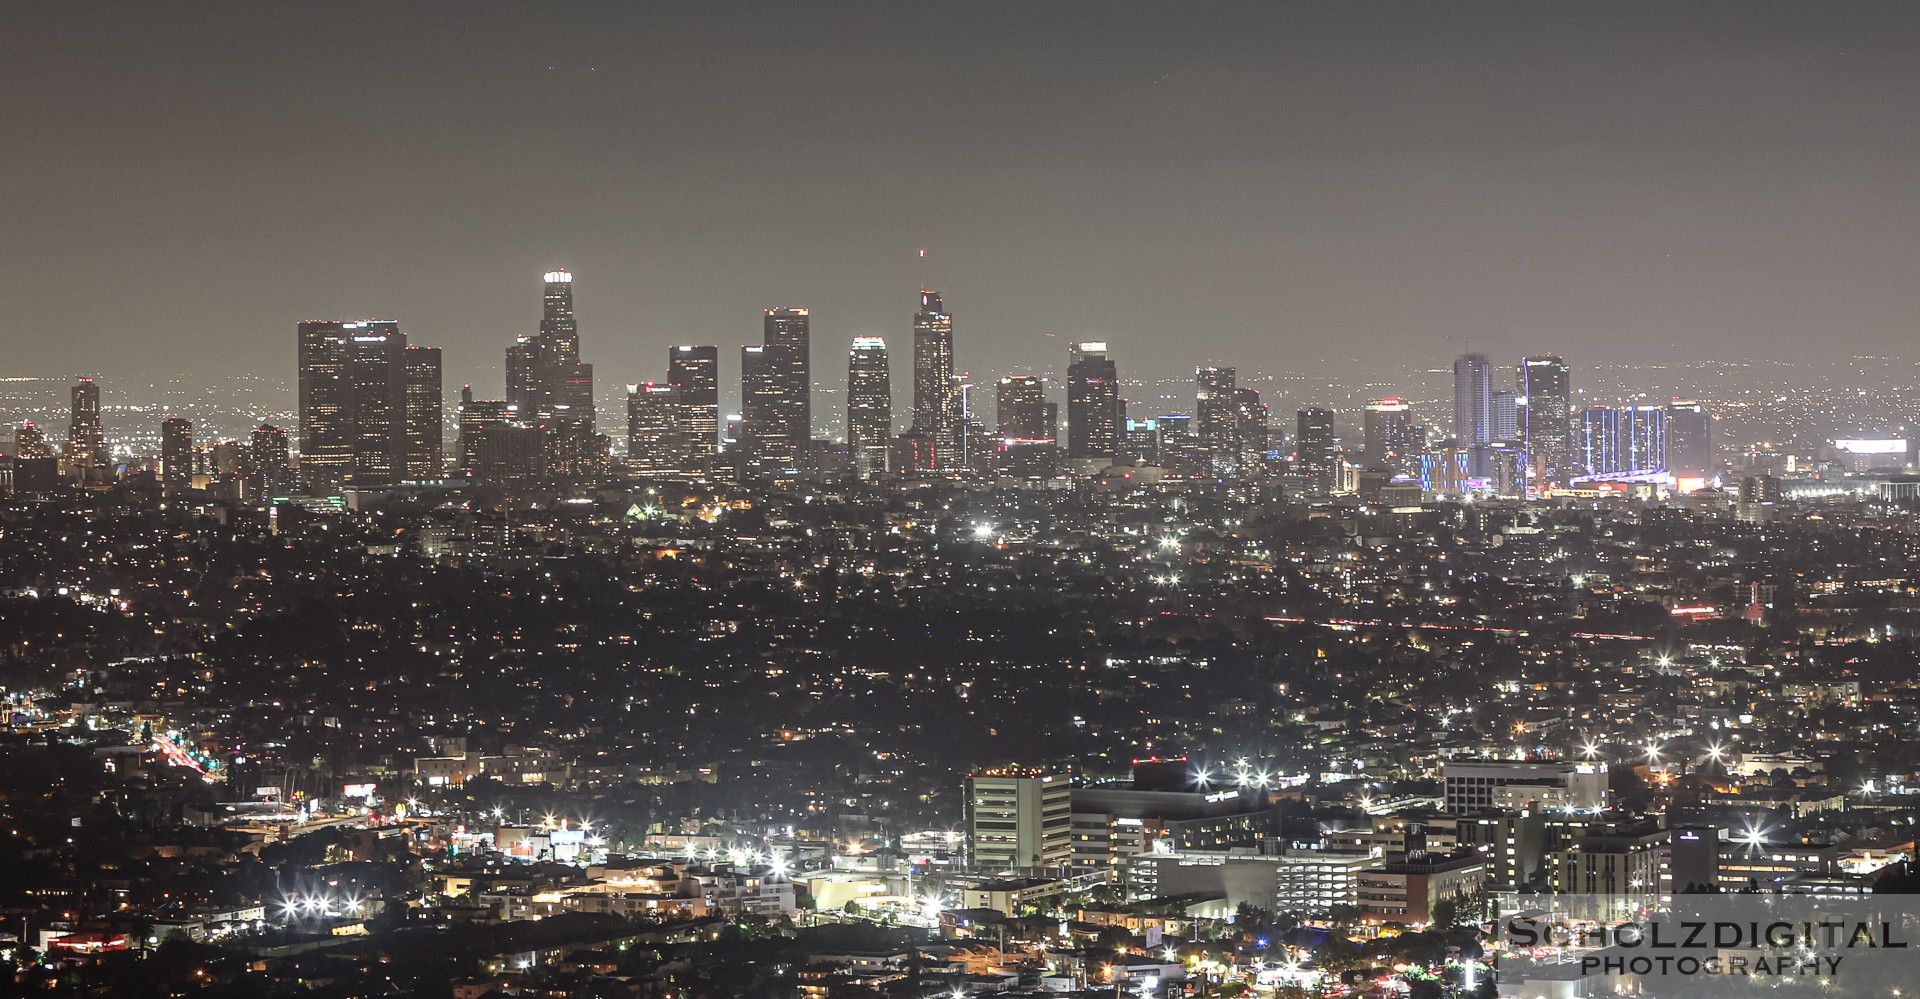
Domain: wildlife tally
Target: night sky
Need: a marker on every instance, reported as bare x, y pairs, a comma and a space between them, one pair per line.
1277, 186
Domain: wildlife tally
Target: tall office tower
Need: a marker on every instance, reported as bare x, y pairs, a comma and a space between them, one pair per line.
1472, 400
176, 455
1388, 434
86, 455
1214, 412
936, 413
1689, 440
1180, 451
766, 447
1093, 403
789, 342
1506, 416
1546, 429
1624, 440
1140, 442
1314, 444
1019, 818
426, 437
1251, 430
696, 370
656, 443
495, 444
353, 403
869, 406
1022, 412
550, 386
266, 461
1027, 427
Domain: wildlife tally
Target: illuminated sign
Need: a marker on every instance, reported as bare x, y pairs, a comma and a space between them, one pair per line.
1886, 445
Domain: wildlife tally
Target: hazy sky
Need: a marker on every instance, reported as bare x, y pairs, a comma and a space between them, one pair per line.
1267, 185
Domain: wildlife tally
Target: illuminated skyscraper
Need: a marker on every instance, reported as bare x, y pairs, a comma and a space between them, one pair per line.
936, 411
1094, 417
1315, 447
267, 461
353, 403
1251, 432
1388, 434
86, 456
549, 386
869, 406
766, 446
1022, 412
1473, 408
176, 455
695, 370
656, 443
425, 434
788, 339
1215, 416
1545, 414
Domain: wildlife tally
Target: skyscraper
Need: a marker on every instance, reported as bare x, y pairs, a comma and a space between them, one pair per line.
1546, 407
425, 434
1388, 434
1689, 439
766, 447
1251, 431
1473, 412
869, 406
696, 371
656, 443
936, 413
1022, 412
1215, 415
266, 461
1314, 444
549, 386
353, 403
1093, 403
788, 339
176, 455
86, 455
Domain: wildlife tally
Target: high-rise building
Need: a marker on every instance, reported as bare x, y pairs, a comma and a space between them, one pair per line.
1215, 417
1624, 440
1546, 407
1094, 417
1506, 416
936, 412
1689, 440
1027, 427
176, 455
1315, 446
656, 443
353, 403
788, 338
1251, 431
869, 406
86, 456
267, 461
696, 371
1019, 818
1473, 408
766, 447
1388, 434
425, 433
549, 385
1022, 412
